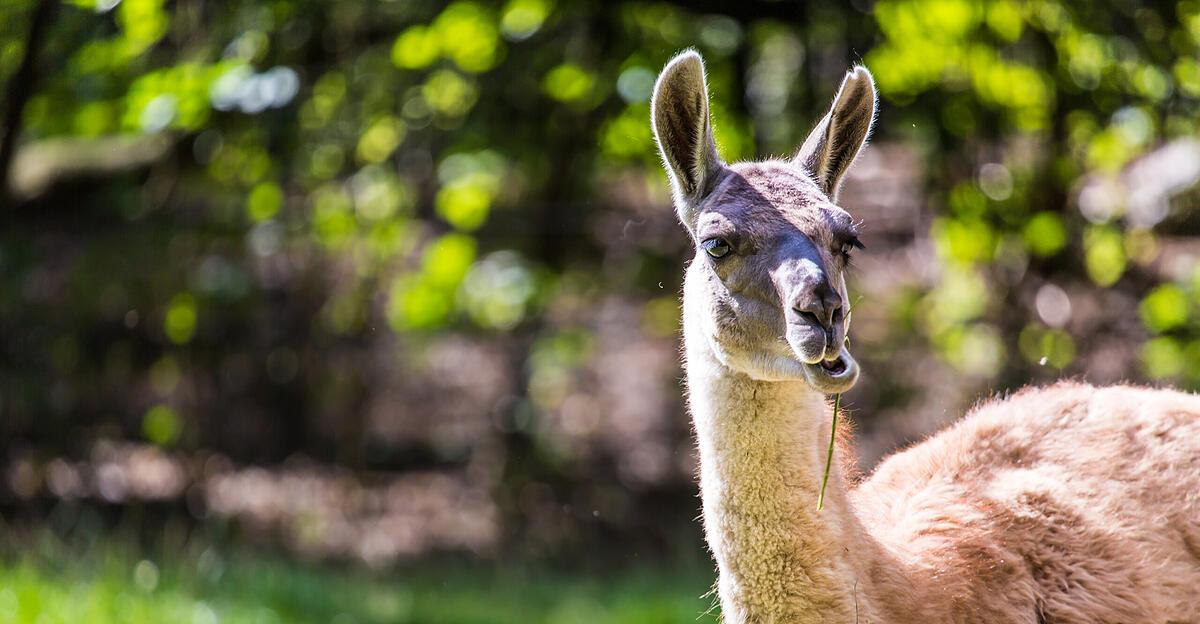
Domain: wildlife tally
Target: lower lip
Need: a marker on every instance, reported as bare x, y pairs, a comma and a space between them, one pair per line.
832, 373
835, 367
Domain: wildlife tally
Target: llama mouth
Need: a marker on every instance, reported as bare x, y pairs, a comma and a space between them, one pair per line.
836, 366
833, 375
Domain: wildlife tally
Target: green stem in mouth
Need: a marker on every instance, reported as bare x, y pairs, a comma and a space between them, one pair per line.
837, 406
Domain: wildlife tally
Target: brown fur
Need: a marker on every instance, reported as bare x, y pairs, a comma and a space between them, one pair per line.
1076, 501
1066, 504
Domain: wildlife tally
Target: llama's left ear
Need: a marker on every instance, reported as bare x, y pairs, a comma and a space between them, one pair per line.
684, 132
834, 143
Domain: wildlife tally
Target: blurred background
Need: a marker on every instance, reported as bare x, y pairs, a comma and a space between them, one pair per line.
368, 311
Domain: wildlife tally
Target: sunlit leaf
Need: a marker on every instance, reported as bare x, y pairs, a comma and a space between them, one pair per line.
180, 321
416, 47
417, 304
264, 201
1004, 18
1162, 357
1165, 308
961, 296
522, 18
446, 260
1104, 252
162, 425
976, 349
333, 217
380, 140
964, 241
568, 83
1046, 347
469, 36
465, 203
498, 290
143, 22
1045, 234
449, 94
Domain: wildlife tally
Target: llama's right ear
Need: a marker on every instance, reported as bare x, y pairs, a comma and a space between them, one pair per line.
832, 146
684, 132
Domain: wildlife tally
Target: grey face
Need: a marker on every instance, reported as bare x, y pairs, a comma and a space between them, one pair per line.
766, 286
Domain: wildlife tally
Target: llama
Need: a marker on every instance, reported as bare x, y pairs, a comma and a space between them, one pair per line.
1069, 503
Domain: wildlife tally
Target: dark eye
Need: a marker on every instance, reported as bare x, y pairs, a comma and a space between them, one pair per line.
716, 247
850, 245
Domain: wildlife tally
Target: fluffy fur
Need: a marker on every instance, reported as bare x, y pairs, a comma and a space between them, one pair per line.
1068, 504
1063, 504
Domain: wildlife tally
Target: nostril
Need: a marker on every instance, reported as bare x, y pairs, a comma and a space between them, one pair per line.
810, 317
833, 305
818, 305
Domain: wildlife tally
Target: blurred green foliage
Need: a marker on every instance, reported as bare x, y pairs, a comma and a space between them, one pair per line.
1092, 87
338, 176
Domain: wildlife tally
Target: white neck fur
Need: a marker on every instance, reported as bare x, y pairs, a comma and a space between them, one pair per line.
762, 453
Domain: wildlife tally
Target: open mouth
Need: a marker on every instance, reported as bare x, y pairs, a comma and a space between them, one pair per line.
833, 375
836, 366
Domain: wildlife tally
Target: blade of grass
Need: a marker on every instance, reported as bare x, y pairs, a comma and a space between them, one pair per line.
837, 405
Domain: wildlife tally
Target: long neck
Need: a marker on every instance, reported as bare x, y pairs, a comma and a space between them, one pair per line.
762, 455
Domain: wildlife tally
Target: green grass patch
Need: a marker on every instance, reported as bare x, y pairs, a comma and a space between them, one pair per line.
49, 585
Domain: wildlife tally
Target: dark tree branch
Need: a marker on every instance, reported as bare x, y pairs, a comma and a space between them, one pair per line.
20, 88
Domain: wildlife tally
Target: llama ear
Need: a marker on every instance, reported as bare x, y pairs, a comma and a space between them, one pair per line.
684, 131
834, 143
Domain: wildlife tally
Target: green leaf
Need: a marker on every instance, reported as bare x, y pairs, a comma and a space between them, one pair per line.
1045, 234
180, 321
162, 425
1165, 308
264, 201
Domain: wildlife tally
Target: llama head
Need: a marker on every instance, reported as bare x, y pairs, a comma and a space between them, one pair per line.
766, 286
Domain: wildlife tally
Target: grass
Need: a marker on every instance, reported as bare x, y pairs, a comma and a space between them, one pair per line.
50, 585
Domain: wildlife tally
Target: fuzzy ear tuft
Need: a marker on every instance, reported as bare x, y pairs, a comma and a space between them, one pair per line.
834, 143
682, 127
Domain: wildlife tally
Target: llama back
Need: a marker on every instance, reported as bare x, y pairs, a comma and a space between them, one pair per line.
1080, 499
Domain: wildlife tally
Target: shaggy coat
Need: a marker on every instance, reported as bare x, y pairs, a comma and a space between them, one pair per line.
1066, 504
1070, 504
